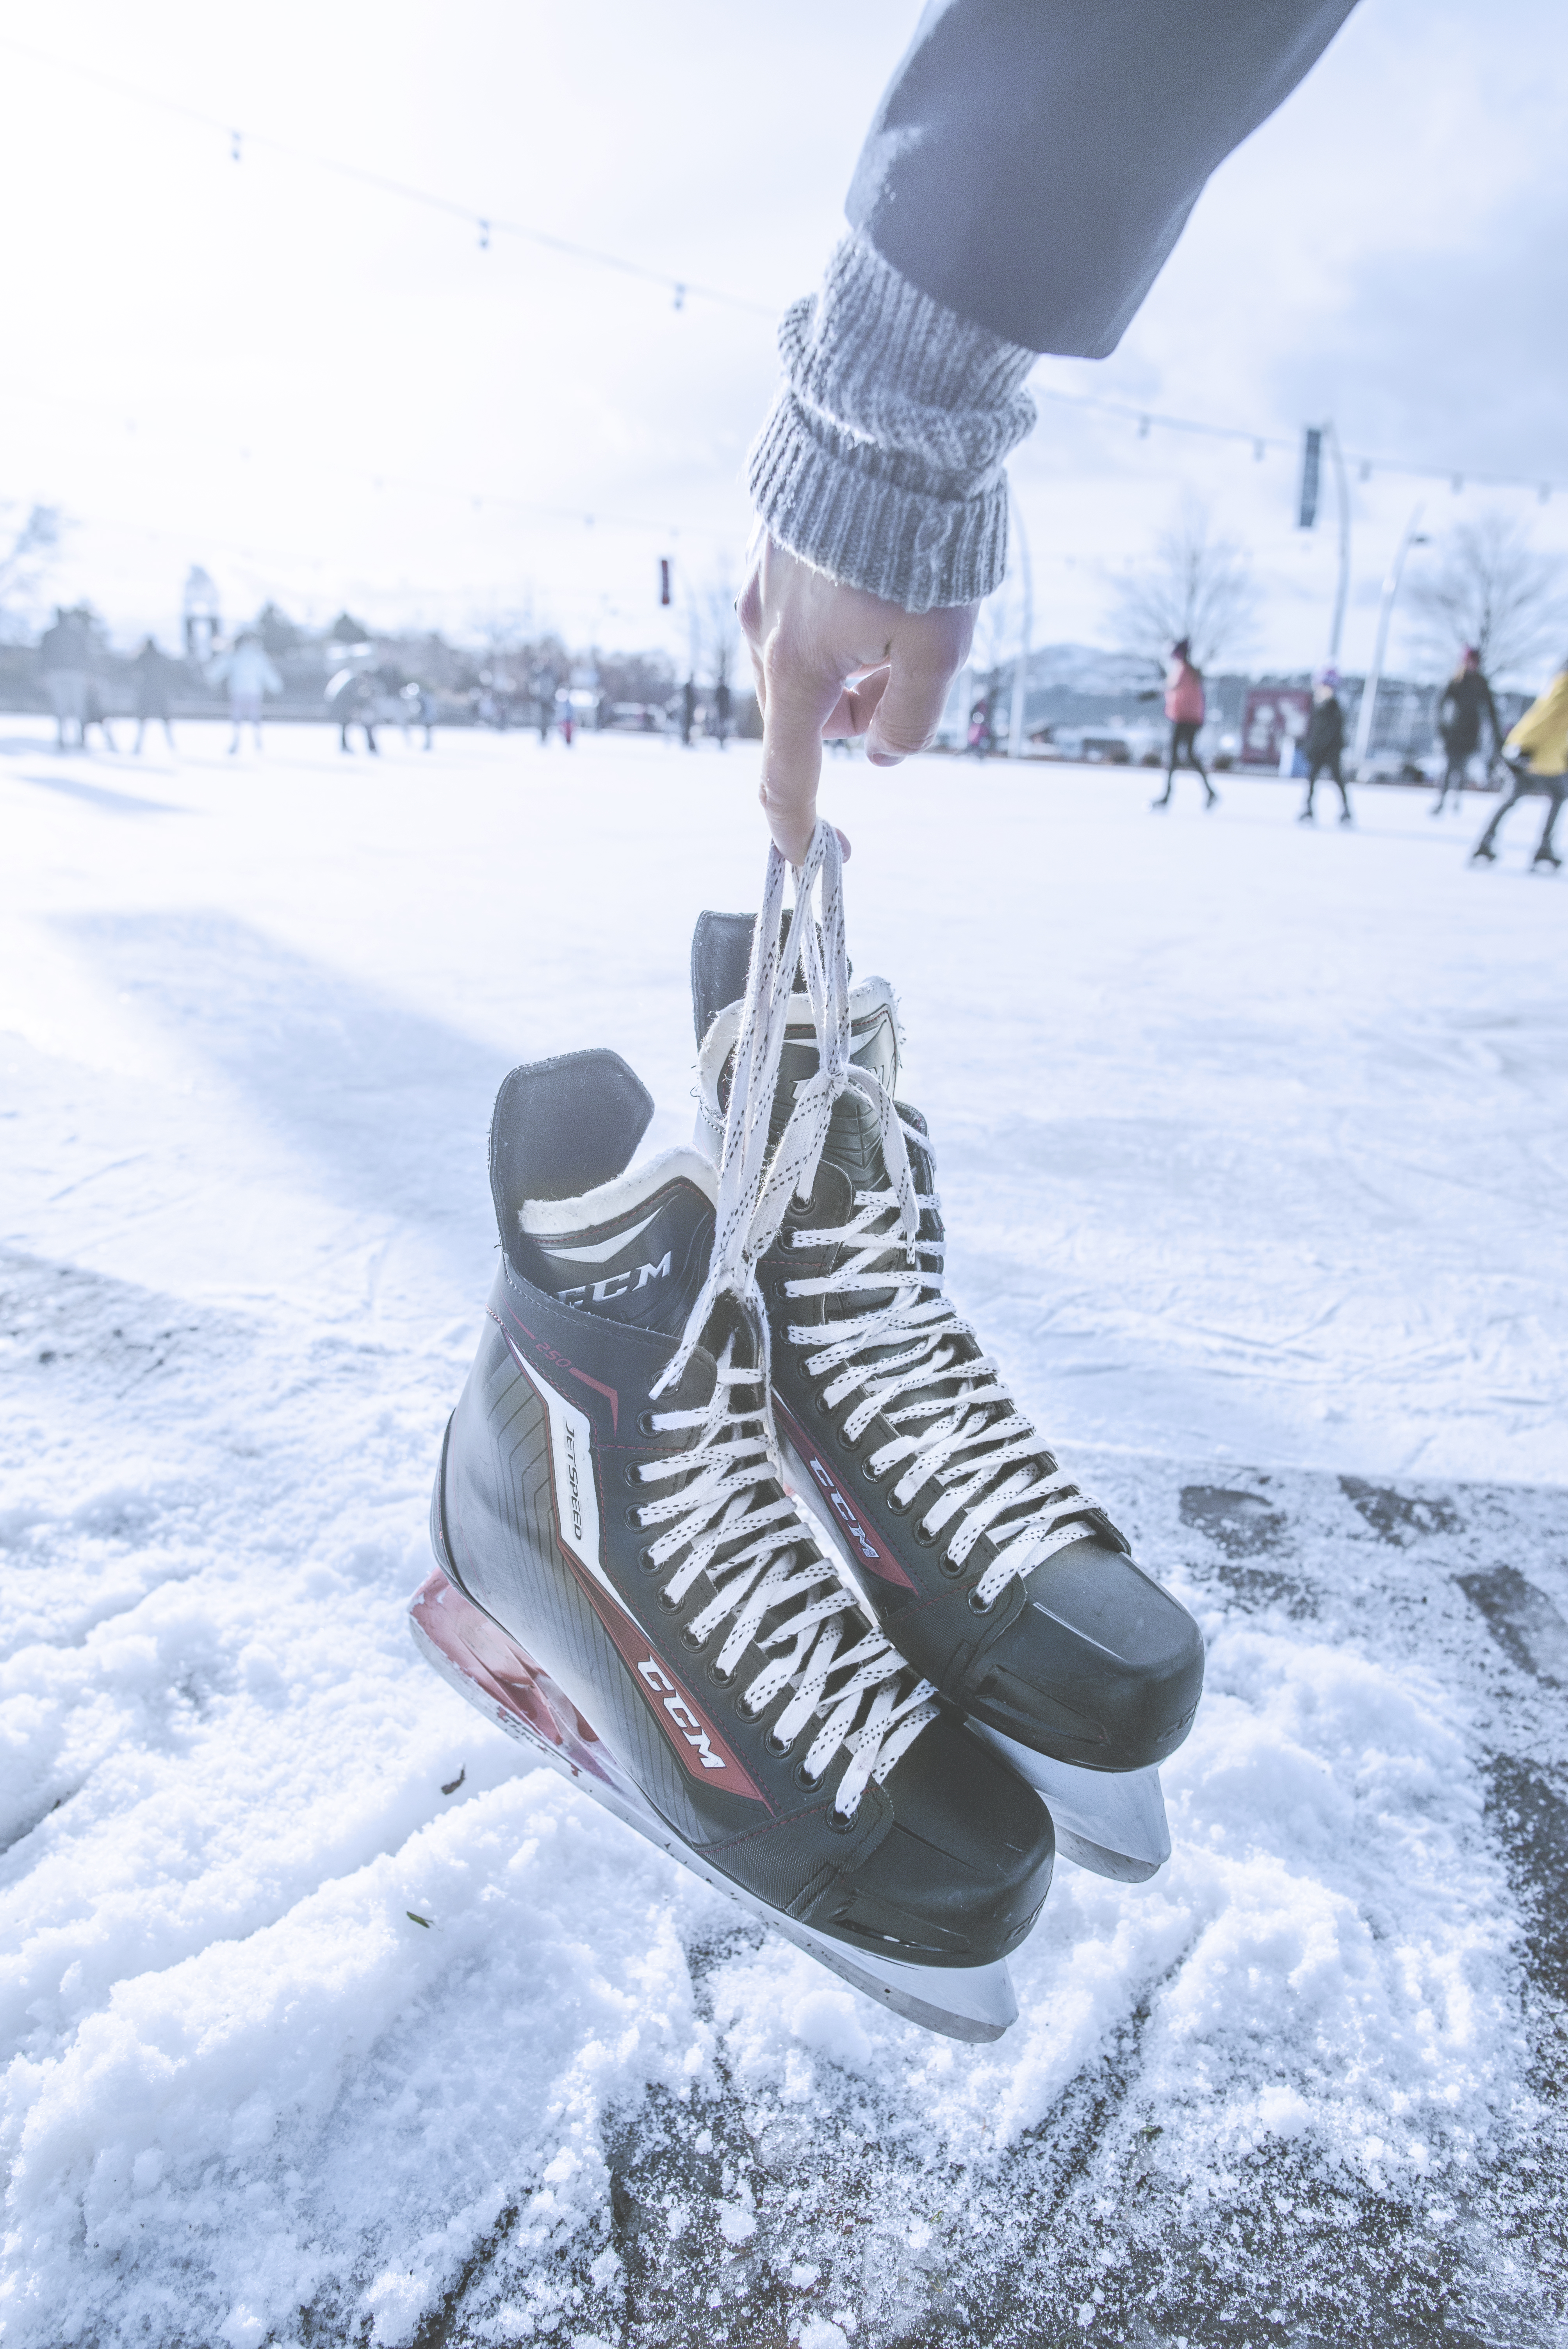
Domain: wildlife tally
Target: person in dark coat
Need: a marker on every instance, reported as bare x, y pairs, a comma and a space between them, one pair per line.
1467, 698
1324, 748
688, 711
65, 659
353, 699
152, 669
721, 711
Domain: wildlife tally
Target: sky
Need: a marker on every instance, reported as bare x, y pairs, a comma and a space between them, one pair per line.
329, 394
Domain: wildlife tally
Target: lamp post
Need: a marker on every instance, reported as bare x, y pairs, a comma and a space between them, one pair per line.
1385, 614
1312, 449
1021, 669
1342, 587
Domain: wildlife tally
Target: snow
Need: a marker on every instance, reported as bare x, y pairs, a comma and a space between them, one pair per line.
1250, 1141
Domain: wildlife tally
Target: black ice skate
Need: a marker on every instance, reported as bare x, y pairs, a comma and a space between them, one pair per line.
989, 1569
624, 1586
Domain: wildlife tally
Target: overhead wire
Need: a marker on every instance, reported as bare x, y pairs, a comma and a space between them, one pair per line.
490, 224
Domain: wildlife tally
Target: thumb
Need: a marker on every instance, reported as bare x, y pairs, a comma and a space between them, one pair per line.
909, 712
798, 707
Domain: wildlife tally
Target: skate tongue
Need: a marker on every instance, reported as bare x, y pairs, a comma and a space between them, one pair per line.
640, 1260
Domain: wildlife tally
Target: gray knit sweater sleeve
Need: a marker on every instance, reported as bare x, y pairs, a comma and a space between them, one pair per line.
1029, 170
882, 460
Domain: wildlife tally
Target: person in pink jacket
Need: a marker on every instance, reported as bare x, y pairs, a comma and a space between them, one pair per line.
1184, 707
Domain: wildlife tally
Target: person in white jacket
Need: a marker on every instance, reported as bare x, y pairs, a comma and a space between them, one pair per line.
250, 674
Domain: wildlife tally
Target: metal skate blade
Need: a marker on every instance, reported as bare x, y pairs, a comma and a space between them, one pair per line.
486, 1666
1110, 1821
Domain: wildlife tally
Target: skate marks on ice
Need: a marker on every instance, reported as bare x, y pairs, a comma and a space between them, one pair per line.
1319, 2100
383, 1104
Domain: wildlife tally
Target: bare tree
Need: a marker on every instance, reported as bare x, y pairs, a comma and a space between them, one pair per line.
1197, 584
25, 559
1490, 588
714, 630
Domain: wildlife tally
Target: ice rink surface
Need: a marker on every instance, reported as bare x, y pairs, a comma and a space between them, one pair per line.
1252, 1147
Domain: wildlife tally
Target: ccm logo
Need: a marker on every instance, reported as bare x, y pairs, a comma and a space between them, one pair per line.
842, 1510
615, 1284
681, 1714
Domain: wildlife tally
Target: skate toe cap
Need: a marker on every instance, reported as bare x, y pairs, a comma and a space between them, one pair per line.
961, 1874
1101, 1666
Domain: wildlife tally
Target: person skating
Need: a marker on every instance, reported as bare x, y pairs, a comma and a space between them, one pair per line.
353, 698
418, 707
1324, 747
1185, 707
65, 660
1536, 756
1466, 699
544, 704
688, 711
95, 712
248, 671
153, 669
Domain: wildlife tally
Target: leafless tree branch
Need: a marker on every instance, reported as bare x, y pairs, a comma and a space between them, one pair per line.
1490, 588
1197, 584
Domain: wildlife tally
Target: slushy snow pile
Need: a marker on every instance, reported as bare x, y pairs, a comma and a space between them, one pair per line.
1244, 1141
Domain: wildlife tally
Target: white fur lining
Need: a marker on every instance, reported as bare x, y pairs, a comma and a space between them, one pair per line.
538, 1217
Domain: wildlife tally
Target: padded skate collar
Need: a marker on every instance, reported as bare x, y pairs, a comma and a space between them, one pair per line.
720, 954
563, 1127
720, 958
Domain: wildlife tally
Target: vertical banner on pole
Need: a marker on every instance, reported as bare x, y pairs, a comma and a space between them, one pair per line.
665, 579
1311, 466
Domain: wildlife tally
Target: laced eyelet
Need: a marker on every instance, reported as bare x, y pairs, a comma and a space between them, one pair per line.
648, 1562
631, 1474
671, 1606
718, 1676
803, 1778
824, 1405
923, 1534
871, 1472
978, 1606
949, 1565
690, 1641
645, 1424
895, 1506
635, 1518
847, 1441
778, 1745
837, 1821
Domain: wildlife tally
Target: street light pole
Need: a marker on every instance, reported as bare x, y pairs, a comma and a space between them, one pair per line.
1021, 670
1385, 614
1342, 590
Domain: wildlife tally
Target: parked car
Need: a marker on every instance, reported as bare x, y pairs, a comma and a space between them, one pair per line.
1083, 745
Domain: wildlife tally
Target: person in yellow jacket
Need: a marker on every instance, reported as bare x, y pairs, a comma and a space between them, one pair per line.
1536, 757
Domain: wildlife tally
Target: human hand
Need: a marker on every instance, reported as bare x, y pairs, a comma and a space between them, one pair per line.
831, 660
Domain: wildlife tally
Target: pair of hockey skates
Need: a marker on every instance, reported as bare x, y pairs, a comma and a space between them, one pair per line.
737, 1525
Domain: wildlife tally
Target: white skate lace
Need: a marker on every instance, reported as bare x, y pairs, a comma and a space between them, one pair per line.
837, 1667
912, 1357
919, 1364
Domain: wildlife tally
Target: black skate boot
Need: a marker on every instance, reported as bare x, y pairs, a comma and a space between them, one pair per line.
986, 1567
624, 1586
